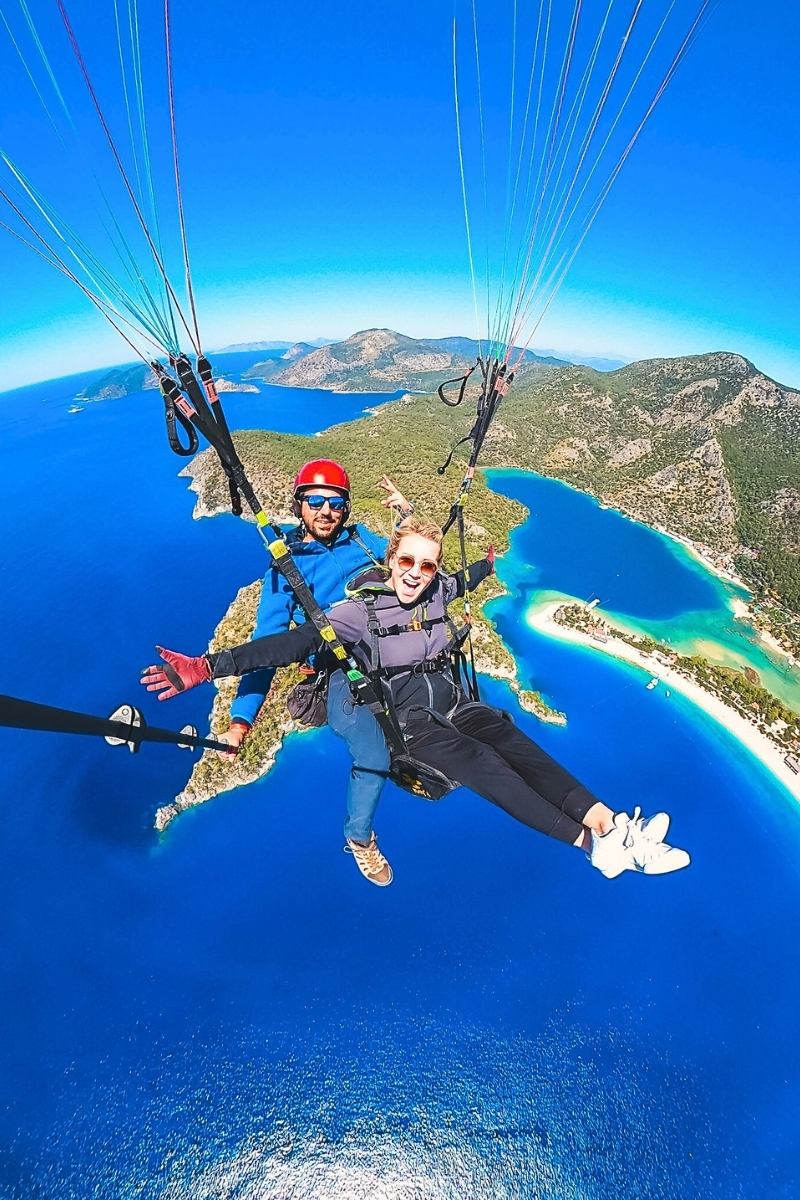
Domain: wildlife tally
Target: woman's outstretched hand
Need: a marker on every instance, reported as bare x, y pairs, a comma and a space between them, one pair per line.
178, 673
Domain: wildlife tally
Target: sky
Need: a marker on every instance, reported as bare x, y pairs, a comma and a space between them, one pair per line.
322, 189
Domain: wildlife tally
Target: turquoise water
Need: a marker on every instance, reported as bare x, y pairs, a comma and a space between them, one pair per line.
231, 1011
646, 583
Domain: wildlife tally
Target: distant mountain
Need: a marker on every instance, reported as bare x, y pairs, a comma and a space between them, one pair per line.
471, 348
298, 350
383, 360
373, 360
252, 347
579, 359
118, 382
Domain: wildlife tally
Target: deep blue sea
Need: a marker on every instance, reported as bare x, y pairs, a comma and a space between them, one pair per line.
231, 1011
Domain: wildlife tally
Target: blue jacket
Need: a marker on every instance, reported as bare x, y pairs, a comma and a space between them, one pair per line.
326, 570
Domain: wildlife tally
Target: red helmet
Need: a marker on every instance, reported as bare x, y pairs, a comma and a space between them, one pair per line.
322, 472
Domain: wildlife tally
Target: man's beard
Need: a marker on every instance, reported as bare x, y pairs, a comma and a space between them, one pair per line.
324, 531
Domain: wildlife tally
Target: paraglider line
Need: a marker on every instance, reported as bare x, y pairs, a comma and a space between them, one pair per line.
176, 165
115, 152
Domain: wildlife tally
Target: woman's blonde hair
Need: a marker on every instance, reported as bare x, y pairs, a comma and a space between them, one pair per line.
422, 528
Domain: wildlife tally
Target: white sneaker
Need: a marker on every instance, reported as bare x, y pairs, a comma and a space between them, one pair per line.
655, 828
632, 846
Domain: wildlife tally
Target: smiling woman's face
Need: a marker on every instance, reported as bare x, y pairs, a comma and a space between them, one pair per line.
413, 566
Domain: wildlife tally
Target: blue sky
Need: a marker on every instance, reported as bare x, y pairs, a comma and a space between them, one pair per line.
323, 196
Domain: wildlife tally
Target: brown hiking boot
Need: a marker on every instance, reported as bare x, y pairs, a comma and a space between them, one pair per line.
370, 862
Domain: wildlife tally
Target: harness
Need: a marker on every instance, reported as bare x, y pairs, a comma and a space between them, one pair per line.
451, 658
405, 769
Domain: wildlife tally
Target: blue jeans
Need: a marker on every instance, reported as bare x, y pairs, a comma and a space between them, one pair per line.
367, 745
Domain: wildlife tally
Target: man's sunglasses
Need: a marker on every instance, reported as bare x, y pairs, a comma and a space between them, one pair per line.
427, 568
334, 503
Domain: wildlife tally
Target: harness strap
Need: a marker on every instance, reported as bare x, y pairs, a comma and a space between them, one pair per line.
429, 666
413, 627
496, 382
207, 379
374, 630
472, 674
172, 417
463, 380
360, 542
213, 414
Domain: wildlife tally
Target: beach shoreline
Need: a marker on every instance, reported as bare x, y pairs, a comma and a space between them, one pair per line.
542, 619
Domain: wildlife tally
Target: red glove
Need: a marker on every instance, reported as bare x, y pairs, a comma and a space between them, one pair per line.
490, 557
179, 673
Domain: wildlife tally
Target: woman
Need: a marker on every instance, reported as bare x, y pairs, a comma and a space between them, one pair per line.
401, 626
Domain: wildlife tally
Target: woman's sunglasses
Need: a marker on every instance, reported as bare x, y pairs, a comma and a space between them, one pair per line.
334, 503
427, 568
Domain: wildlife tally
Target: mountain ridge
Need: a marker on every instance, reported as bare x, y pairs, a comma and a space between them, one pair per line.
706, 446
381, 359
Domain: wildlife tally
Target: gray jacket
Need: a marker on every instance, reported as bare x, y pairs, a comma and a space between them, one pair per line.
412, 642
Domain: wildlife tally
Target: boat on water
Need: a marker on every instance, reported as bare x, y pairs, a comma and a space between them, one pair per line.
654, 682
76, 408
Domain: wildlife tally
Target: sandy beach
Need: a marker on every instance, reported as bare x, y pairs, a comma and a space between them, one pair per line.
541, 619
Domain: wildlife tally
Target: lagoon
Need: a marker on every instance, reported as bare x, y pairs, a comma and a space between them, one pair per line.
647, 583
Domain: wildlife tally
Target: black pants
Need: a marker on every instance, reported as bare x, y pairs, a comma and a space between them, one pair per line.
482, 749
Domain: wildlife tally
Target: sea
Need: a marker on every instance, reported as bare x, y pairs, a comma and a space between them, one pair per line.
228, 1010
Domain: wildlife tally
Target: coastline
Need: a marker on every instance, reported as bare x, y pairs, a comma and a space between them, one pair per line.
541, 619
741, 606
698, 552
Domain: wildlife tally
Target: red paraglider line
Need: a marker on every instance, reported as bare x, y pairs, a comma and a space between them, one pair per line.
109, 138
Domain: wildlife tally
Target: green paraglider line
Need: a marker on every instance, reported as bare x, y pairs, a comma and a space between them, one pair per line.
55, 261
121, 167
114, 232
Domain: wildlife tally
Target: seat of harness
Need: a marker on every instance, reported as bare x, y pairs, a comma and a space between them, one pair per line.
428, 666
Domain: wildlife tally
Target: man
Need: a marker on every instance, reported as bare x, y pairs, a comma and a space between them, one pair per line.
329, 552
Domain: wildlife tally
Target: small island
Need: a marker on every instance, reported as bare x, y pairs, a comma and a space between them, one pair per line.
232, 385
